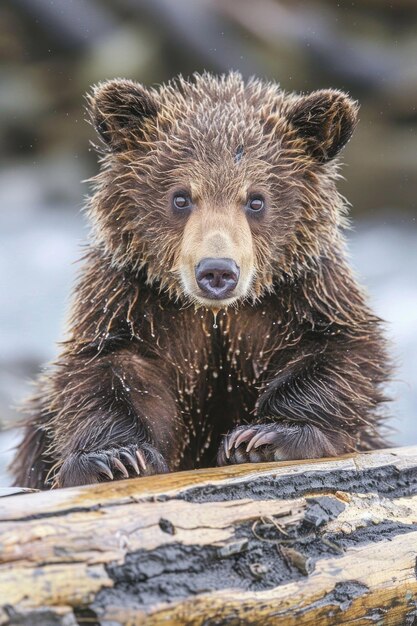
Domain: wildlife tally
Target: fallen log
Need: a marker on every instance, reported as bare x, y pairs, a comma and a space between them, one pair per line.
319, 542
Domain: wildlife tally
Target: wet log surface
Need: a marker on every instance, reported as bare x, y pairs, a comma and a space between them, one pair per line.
323, 542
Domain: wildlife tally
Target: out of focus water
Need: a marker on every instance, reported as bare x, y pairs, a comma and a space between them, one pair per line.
38, 250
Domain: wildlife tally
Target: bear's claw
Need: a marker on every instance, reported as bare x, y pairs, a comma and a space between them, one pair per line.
262, 439
130, 459
104, 468
141, 460
119, 465
242, 434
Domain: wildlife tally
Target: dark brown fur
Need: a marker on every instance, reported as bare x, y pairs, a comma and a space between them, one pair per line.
298, 361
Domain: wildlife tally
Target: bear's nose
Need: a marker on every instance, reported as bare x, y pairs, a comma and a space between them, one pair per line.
217, 277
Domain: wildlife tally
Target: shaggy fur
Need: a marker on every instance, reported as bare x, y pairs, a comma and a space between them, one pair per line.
154, 378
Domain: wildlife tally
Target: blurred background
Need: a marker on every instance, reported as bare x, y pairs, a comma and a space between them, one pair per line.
51, 51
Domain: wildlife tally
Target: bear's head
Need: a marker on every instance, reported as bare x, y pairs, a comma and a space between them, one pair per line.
217, 189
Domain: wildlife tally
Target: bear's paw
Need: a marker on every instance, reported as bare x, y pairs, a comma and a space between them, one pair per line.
84, 468
277, 441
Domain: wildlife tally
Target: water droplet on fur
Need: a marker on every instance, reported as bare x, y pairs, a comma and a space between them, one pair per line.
215, 313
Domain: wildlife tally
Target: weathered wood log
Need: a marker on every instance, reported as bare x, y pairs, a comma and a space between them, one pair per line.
319, 543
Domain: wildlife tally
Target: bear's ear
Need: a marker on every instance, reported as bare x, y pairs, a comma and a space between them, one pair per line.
325, 119
122, 110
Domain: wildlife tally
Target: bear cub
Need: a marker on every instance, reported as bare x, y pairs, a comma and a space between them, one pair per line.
216, 319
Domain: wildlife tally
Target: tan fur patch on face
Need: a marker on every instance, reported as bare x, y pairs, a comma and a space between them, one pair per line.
216, 232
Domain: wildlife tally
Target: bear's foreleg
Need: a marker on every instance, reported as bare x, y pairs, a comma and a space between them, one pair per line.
322, 403
116, 417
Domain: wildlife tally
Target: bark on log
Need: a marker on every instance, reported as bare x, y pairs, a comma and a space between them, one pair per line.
319, 543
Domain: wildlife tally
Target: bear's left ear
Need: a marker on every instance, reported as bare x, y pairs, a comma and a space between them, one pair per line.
325, 119
122, 110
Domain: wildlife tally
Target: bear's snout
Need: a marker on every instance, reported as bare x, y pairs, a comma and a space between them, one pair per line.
217, 277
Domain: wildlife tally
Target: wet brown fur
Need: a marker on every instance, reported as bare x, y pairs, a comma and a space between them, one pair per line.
143, 367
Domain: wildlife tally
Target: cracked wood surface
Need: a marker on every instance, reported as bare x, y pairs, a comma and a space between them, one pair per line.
318, 542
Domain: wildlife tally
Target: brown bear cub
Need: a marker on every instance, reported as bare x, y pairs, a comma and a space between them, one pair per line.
216, 319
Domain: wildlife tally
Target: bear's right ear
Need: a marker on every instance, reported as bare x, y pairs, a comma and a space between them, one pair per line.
122, 111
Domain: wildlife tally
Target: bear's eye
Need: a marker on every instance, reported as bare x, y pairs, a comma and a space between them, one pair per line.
181, 201
256, 204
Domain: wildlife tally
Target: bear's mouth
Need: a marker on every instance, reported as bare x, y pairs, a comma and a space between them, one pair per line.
215, 303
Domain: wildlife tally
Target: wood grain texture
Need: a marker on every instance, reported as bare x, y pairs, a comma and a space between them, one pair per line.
320, 542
